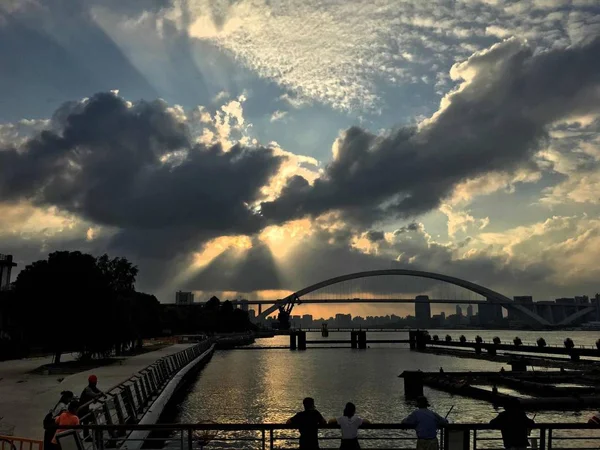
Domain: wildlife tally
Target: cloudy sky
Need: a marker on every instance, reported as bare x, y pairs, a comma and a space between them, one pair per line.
253, 147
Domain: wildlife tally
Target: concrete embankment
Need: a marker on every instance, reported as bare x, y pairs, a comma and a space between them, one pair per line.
178, 379
26, 397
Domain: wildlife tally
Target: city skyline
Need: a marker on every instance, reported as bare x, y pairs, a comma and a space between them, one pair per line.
223, 152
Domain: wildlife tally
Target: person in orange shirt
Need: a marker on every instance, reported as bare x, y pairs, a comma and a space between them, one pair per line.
67, 418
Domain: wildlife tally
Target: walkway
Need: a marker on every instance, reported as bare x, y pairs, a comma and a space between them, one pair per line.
25, 398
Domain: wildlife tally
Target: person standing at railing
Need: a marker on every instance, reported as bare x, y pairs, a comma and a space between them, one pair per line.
66, 419
349, 423
50, 420
426, 423
308, 422
514, 426
90, 393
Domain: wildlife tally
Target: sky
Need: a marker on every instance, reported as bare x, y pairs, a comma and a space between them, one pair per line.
251, 148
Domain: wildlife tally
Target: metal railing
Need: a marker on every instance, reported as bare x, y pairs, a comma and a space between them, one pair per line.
19, 443
128, 401
382, 436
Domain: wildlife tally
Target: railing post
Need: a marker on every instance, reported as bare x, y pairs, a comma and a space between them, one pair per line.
190, 440
550, 439
474, 439
264, 440
271, 439
542, 439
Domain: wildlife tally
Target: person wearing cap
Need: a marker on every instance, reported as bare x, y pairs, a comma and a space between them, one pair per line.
89, 393
426, 423
514, 426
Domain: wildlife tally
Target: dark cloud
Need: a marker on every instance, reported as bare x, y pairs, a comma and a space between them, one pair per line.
496, 122
374, 236
107, 165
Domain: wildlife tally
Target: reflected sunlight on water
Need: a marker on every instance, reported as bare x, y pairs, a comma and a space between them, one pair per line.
268, 385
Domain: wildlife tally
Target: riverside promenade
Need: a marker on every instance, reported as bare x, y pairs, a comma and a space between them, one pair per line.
25, 397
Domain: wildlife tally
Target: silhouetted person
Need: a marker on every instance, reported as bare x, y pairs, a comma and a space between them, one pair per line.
89, 393
514, 425
308, 422
67, 418
426, 424
349, 423
50, 420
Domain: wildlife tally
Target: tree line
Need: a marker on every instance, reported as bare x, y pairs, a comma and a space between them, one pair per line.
76, 302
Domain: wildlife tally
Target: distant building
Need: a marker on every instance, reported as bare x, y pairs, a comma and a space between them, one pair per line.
489, 313
458, 311
423, 311
252, 315
6, 265
184, 298
307, 321
243, 305
343, 320
470, 311
296, 321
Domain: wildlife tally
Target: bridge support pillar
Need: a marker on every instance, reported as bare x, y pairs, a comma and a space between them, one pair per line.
413, 384
362, 340
301, 340
353, 339
412, 338
518, 365
293, 340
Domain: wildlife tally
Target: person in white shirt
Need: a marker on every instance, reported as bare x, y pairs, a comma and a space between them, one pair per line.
349, 423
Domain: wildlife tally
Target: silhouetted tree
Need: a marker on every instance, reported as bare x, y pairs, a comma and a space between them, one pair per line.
213, 304
119, 273
67, 298
76, 302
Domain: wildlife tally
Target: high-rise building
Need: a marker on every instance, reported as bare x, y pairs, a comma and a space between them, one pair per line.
470, 311
458, 311
184, 298
489, 313
307, 321
6, 265
423, 311
243, 305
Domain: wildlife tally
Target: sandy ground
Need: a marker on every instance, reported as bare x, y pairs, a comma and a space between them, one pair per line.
26, 398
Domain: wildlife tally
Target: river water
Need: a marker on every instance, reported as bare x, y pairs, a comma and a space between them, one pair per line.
268, 385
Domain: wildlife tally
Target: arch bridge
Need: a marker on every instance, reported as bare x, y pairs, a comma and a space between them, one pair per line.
285, 306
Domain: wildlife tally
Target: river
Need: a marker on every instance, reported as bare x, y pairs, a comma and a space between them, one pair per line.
268, 385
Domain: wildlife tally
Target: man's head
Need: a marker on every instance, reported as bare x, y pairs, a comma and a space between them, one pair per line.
309, 403
73, 406
422, 402
93, 380
513, 406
